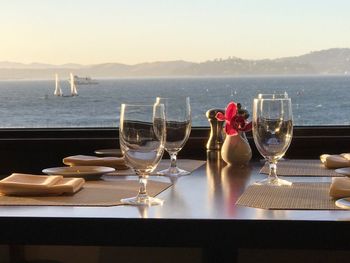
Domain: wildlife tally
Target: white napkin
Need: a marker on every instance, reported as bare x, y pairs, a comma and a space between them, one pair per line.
29, 184
335, 161
81, 160
340, 187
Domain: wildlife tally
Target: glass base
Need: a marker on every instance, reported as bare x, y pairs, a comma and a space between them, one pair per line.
144, 200
343, 203
274, 181
173, 171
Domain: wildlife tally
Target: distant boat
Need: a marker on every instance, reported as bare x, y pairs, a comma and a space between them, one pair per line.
73, 86
83, 80
58, 90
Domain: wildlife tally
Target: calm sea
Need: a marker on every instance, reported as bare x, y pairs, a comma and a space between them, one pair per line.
31, 104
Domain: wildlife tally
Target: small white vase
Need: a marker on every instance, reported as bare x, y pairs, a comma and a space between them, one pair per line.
236, 150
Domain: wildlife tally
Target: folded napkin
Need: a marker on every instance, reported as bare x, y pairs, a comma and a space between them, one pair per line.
335, 161
78, 160
340, 187
29, 184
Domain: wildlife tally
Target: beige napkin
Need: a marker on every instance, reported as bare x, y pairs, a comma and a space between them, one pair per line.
29, 184
335, 161
114, 162
340, 187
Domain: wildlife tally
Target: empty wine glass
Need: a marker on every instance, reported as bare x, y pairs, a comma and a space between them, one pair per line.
142, 139
272, 96
272, 131
178, 128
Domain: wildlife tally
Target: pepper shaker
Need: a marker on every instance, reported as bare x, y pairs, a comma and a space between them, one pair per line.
216, 138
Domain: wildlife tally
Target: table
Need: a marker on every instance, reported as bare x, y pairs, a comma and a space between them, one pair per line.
199, 211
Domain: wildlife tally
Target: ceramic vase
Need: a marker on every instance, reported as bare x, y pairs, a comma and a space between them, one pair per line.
236, 150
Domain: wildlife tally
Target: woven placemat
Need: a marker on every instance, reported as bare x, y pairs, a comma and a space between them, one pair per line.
186, 164
302, 196
301, 168
94, 193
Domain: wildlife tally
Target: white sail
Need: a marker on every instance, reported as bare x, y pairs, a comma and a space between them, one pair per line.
58, 90
73, 87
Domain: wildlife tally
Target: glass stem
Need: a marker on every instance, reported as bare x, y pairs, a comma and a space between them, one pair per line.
143, 185
173, 158
272, 171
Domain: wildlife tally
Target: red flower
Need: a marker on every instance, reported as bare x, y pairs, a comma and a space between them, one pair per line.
234, 121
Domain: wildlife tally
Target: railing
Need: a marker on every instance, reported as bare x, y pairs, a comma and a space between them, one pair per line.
31, 150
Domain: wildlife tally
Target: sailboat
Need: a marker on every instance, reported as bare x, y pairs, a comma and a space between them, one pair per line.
58, 90
73, 87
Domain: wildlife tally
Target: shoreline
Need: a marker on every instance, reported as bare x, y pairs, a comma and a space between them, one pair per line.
188, 77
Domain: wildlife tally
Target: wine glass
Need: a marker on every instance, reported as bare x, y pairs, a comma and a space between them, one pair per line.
142, 139
272, 96
272, 131
178, 128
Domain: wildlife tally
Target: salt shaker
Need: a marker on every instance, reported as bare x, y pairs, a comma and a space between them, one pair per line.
216, 137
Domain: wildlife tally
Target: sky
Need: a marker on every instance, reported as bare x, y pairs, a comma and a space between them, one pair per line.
135, 31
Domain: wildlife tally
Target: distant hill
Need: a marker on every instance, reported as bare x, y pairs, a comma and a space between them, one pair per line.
330, 61
16, 65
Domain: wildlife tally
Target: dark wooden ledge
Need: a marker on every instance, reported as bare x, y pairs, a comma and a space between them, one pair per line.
30, 150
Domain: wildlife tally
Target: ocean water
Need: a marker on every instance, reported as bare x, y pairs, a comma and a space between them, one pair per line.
317, 100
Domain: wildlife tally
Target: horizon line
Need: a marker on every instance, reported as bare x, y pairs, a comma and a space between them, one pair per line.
162, 61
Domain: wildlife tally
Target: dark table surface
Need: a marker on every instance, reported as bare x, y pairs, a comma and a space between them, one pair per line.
199, 211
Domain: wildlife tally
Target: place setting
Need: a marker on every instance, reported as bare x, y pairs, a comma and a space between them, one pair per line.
329, 165
74, 185
87, 167
272, 132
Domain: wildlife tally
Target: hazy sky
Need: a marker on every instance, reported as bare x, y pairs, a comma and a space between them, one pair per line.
132, 31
